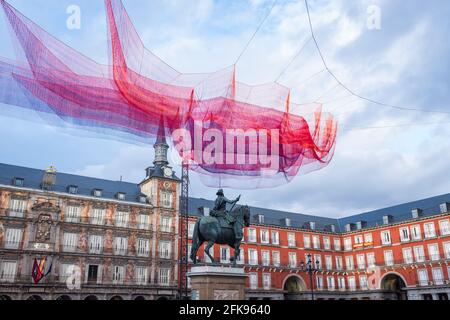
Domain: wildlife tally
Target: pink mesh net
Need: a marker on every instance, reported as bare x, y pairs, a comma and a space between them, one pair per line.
231, 133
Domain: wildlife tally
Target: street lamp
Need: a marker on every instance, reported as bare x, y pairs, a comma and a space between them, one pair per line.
310, 269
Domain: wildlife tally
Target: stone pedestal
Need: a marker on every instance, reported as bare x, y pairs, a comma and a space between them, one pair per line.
217, 283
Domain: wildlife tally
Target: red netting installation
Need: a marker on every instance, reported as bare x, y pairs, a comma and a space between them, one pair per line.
233, 134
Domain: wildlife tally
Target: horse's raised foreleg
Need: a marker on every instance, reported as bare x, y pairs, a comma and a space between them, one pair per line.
208, 246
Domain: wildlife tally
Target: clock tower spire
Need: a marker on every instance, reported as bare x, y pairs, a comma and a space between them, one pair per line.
161, 146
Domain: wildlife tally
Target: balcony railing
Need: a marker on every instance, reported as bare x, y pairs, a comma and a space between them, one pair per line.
61, 280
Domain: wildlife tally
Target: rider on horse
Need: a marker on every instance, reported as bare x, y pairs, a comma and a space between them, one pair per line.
220, 207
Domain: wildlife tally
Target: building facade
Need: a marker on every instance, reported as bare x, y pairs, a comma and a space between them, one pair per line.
65, 236
70, 237
402, 252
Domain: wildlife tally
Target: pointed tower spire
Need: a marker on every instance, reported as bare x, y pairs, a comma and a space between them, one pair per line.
161, 138
161, 146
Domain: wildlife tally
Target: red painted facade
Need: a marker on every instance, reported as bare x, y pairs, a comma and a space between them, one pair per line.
435, 254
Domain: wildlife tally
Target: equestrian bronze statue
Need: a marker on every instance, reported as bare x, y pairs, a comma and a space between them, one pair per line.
221, 227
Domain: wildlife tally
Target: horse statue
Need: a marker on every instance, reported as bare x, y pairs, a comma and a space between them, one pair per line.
221, 227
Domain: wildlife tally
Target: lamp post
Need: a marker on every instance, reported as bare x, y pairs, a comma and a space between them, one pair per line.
310, 269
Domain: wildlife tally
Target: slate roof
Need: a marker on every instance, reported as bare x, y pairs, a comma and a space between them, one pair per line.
86, 185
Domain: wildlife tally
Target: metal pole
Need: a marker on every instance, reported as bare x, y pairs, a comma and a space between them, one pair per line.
311, 282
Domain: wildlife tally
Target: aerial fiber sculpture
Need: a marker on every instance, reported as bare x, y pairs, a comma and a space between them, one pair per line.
231, 133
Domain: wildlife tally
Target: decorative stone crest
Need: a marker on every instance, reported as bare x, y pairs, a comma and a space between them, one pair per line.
44, 227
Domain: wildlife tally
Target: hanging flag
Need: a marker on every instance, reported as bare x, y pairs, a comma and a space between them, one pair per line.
38, 272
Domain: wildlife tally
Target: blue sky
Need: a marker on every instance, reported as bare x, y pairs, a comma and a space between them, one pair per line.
406, 62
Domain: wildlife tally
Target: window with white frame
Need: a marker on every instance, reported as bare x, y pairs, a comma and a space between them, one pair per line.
73, 214
8, 271
70, 242
438, 276
191, 226
433, 252
388, 258
253, 277
422, 275
326, 243
275, 237
252, 257
164, 276
429, 230
363, 282
318, 261
404, 234
359, 240
165, 249
385, 237
189, 248
329, 262
337, 244
368, 240
319, 282
66, 271
144, 221
292, 260
419, 253
95, 244
339, 263
349, 263
266, 281
316, 242
416, 233
141, 275
265, 257
276, 258
361, 261
330, 283
351, 283
444, 227
306, 241
341, 283
143, 247
371, 259
16, 207
446, 247
97, 216
121, 219
224, 254
291, 239
251, 235
118, 274
166, 199
264, 236
165, 223
241, 257
347, 244
120, 246
13, 237
407, 255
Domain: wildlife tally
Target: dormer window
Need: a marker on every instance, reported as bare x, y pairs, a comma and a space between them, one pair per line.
260, 218
142, 199
97, 193
72, 189
287, 222
18, 182
120, 196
